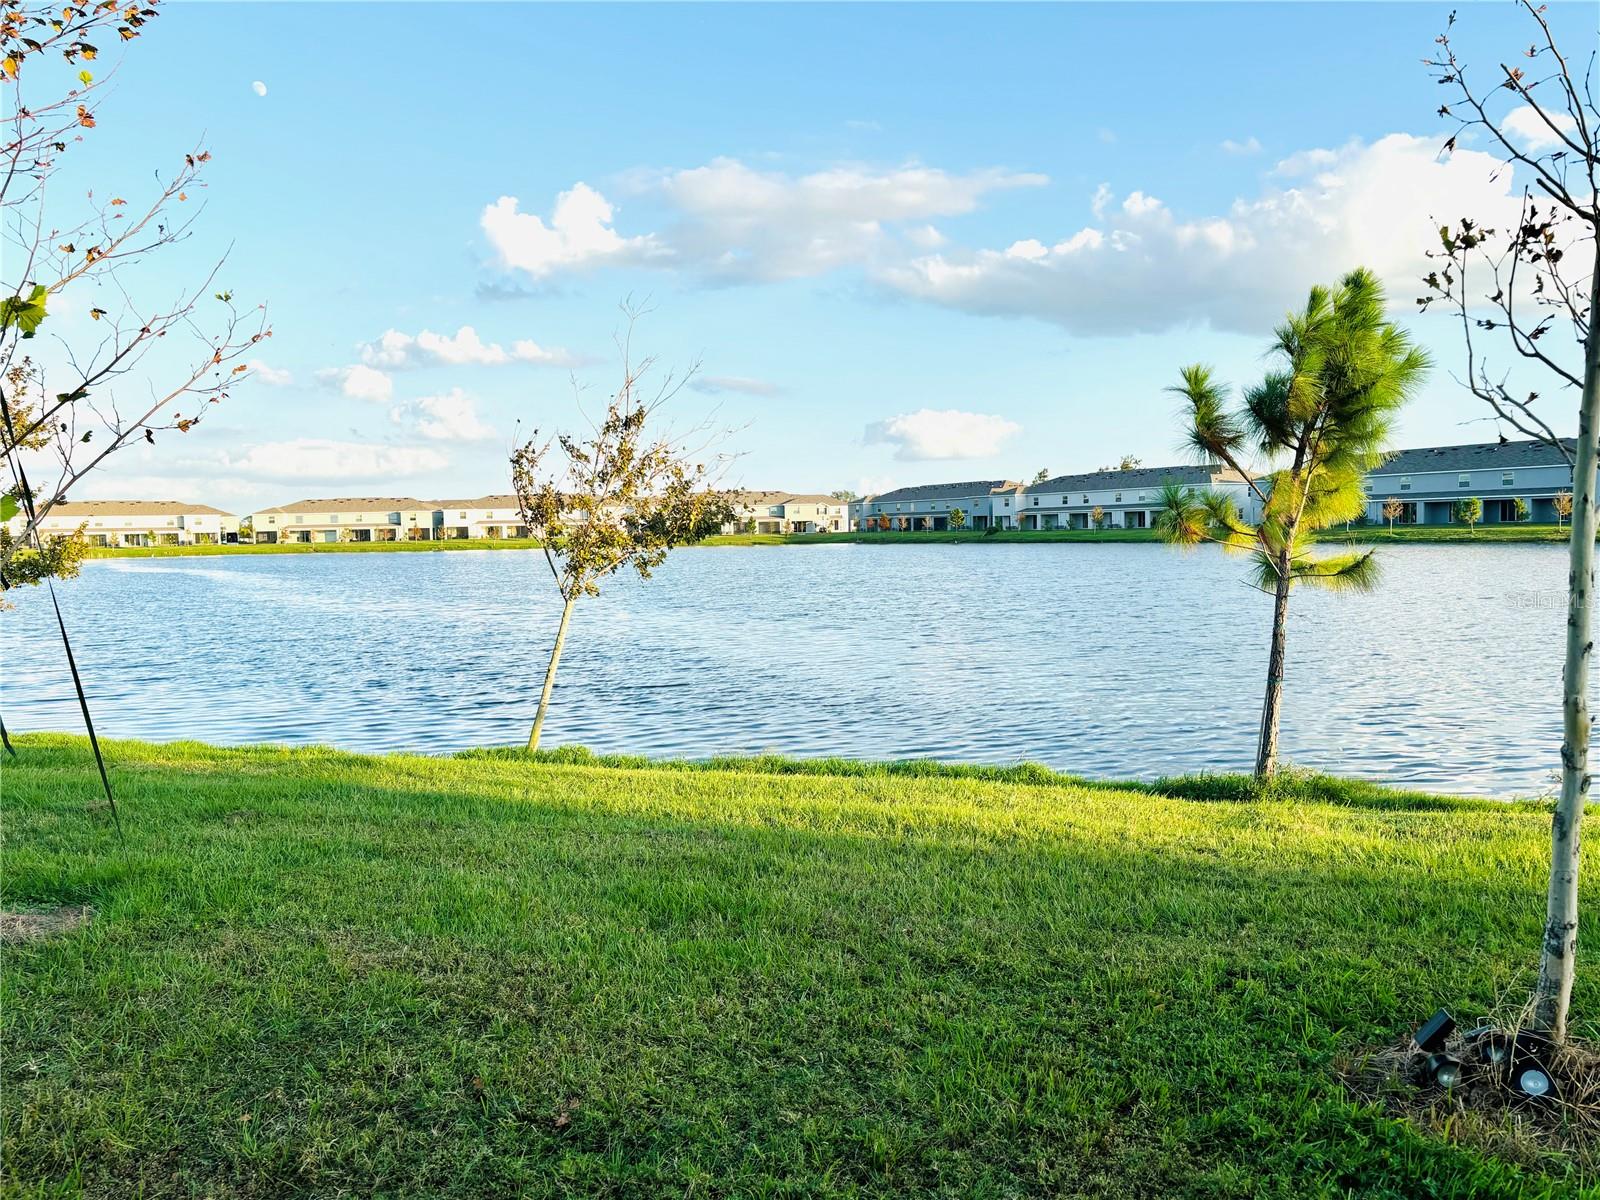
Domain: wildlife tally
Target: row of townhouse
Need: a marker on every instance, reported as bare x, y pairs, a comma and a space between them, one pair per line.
1508, 477
380, 519
1111, 498
136, 523
1516, 481
788, 512
388, 519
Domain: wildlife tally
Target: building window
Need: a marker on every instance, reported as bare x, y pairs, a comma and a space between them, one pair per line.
1405, 483
1117, 499
1508, 478
461, 516
1036, 502
1464, 479
299, 520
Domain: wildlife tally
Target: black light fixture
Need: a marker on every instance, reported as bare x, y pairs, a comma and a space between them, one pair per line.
1434, 1031
1444, 1069
1493, 1046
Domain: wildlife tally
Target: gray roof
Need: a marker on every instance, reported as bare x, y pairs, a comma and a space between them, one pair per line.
937, 491
1479, 456
1139, 477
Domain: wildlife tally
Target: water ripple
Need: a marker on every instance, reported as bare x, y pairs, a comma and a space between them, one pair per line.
1126, 661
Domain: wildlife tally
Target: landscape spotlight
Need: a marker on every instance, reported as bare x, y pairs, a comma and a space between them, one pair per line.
1438, 1027
1444, 1069
1492, 1046
1534, 1083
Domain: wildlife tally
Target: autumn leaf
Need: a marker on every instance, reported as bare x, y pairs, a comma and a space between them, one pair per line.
118, 202
85, 78
85, 117
96, 313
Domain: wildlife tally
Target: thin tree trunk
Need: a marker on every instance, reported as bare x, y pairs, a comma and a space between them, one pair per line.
1272, 703
1557, 961
550, 676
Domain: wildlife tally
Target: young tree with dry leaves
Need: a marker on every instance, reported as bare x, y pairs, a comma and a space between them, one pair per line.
622, 497
66, 408
1393, 510
1529, 286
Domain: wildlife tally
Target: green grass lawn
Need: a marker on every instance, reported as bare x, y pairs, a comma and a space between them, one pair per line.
1451, 533
315, 973
313, 548
1402, 534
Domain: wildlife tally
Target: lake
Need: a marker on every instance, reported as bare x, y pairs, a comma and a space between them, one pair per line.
1107, 660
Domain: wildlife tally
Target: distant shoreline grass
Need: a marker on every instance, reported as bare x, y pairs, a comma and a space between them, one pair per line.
225, 549
1402, 535
311, 972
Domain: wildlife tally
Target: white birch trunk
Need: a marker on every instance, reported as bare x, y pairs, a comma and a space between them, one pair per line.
1557, 960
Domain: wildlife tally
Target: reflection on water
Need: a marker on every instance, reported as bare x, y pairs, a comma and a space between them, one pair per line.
1110, 660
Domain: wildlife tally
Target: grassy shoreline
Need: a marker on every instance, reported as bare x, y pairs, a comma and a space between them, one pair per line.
313, 972
1411, 535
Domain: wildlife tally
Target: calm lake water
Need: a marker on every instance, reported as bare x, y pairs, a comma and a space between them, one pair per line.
1109, 660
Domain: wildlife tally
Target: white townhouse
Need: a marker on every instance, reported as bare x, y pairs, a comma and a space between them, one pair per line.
1124, 499
788, 512
983, 503
483, 517
136, 522
1431, 481
348, 519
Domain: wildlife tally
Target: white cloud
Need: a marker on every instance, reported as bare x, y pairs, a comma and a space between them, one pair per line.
1140, 267
713, 384
733, 223
1249, 146
271, 376
396, 350
259, 88
359, 382
1532, 132
451, 417
579, 234
737, 223
342, 462
942, 434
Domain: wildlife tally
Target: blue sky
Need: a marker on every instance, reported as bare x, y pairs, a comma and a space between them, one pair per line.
905, 242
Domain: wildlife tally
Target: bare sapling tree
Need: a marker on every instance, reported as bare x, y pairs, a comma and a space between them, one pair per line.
624, 496
1527, 285
1344, 372
69, 402
1393, 510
